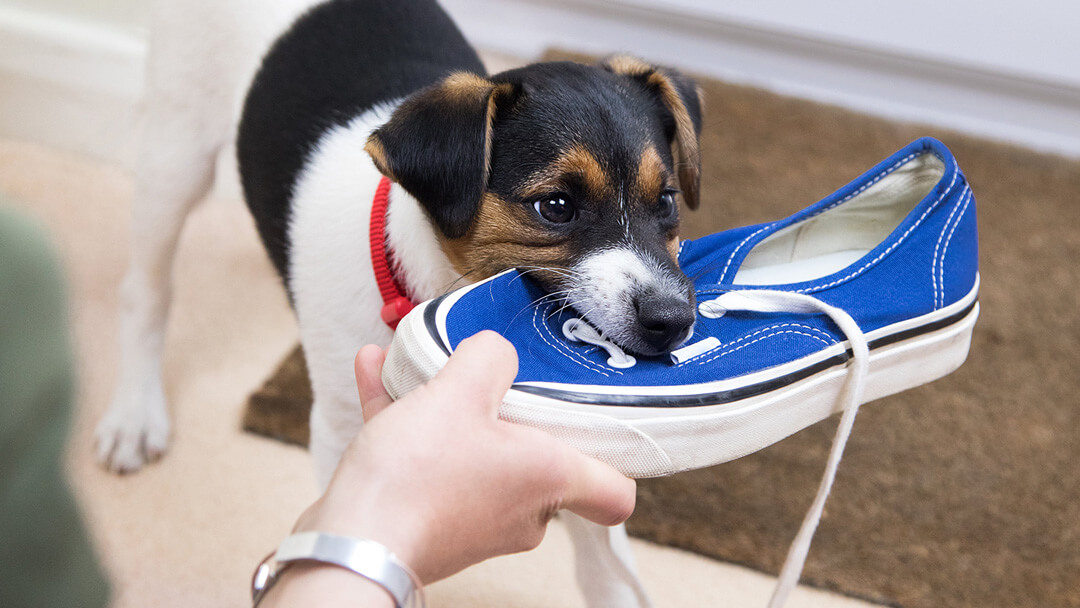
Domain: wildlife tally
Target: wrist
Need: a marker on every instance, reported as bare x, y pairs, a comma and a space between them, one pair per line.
356, 516
336, 556
324, 585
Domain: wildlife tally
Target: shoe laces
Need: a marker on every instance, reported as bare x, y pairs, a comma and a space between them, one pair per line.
580, 331
768, 301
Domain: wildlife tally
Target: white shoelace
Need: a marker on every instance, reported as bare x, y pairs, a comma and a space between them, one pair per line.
783, 301
777, 302
579, 330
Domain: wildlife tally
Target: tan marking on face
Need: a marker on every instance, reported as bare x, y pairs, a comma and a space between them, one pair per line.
673, 249
651, 175
502, 237
575, 163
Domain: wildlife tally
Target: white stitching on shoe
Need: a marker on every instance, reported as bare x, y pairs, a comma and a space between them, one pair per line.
774, 334
945, 250
723, 274
876, 179
902, 238
937, 248
828, 340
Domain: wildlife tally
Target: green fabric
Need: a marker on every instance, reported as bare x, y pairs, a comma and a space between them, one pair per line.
45, 556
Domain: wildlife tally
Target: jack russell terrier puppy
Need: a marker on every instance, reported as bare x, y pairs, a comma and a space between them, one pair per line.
571, 172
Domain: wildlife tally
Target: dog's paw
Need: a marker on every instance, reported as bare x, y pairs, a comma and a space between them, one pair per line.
132, 433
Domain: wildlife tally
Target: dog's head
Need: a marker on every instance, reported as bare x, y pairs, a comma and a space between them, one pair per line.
569, 172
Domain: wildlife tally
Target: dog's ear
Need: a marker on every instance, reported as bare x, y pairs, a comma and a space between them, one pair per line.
437, 145
682, 99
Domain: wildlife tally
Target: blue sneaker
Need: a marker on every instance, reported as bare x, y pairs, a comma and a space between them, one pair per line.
895, 251
867, 293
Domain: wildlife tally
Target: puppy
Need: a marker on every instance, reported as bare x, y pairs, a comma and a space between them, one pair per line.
570, 172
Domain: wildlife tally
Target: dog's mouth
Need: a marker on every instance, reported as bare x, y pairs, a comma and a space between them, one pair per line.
640, 304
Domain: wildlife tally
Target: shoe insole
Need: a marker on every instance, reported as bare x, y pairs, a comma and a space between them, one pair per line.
798, 270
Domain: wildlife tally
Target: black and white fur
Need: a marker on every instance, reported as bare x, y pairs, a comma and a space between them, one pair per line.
330, 90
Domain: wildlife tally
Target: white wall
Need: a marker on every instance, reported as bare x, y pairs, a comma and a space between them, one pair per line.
70, 70
986, 67
1033, 39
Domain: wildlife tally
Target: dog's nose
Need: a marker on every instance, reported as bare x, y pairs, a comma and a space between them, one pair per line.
664, 321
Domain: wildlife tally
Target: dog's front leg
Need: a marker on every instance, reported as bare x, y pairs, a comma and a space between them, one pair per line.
606, 571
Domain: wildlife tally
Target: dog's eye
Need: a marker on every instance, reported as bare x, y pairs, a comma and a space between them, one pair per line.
555, 209
666, 205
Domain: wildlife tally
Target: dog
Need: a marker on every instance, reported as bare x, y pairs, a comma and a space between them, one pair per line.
570, 172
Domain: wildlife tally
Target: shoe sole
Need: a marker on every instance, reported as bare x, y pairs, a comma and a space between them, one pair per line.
704, 424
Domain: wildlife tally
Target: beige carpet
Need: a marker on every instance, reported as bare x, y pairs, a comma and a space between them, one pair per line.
188, 530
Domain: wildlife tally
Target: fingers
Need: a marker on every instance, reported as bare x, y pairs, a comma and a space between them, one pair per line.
598, 492
479, 372
368, 369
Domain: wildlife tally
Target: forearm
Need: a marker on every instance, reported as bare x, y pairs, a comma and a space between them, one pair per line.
326, 586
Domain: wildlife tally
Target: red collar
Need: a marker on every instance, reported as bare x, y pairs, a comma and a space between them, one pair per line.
396, 304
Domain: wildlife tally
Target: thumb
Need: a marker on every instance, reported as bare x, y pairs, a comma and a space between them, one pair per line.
598, 492
479, 372
368, 369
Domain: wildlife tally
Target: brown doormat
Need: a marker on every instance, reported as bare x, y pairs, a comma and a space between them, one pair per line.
281, 407
965, 492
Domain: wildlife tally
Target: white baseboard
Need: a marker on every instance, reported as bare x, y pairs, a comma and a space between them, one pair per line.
75, 85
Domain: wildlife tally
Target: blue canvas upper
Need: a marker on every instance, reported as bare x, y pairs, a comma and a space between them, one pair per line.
927, 262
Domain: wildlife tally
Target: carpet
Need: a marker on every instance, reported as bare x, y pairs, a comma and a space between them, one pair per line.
961, 493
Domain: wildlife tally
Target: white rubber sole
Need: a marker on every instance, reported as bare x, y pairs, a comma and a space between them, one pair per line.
643, 441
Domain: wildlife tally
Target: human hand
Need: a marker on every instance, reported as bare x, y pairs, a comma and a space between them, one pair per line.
444, 484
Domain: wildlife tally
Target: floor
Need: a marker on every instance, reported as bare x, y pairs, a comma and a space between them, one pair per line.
188, 530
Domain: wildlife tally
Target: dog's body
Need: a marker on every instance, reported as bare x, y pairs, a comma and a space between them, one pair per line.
567, 170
